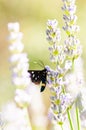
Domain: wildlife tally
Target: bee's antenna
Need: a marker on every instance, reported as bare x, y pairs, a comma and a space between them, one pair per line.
41, 63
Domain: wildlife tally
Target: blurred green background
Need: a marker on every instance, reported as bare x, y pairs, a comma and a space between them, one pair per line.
32, 16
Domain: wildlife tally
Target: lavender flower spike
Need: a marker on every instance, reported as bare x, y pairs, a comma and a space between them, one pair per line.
53, 36
19, 65
63, 56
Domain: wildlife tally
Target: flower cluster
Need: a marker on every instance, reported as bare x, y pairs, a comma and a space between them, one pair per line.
53, 37
3, 121
21, 79
53, 33
60, 100
72, 45
15, 117
63, 55
75, 80
19, 64
69, 17
60, 103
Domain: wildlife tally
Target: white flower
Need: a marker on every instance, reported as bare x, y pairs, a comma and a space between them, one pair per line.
20, 57
64, 85
16, 117
69, 1
68, 64
70, 18
13, 27
3, 121
22, 97
61, 57
69, 8
66, 101
52, 23
20, 82
83, 118
53, 33
17, 46
19, 64
15, 36
75, 81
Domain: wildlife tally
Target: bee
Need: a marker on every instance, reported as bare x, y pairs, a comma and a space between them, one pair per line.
39, 77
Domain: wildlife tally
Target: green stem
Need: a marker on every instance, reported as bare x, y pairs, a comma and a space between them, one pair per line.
77, 117
70, 120
62, 127
27, 117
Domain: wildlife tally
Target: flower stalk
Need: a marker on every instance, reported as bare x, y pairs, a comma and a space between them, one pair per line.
77, 116
19, 68
70, 120
64, 56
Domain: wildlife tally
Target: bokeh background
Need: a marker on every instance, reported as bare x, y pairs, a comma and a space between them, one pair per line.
32, 16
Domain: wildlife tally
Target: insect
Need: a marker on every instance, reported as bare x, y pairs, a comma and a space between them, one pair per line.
39, 76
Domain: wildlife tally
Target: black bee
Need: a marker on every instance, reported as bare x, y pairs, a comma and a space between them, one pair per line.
39, 76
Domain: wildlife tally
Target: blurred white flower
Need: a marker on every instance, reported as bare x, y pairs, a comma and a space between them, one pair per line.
16, 117
83, 118
3, 121
19, 64
17, 46
13, 27
52, 23
75, 80
22, 97
68, 65
37, 109
16, 113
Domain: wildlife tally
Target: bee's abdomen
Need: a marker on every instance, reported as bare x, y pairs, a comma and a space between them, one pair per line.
42, 87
